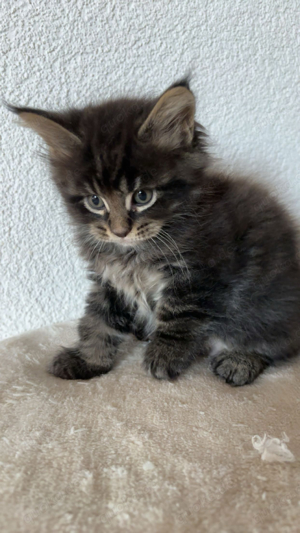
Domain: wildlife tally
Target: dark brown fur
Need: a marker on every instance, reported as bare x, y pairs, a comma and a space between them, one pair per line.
210, 268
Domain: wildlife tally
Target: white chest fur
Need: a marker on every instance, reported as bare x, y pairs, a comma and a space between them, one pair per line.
141, 284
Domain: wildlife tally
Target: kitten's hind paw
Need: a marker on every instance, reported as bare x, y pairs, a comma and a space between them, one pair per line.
163, 363
236, 368
162, 370
69, 364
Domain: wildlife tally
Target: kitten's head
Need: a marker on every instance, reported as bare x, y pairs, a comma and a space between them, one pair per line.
127, 167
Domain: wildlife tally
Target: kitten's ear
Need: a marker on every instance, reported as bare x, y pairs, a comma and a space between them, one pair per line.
170, 124
60, 140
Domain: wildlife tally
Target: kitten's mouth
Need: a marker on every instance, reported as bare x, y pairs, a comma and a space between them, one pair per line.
127, 242
131, 240
124, 241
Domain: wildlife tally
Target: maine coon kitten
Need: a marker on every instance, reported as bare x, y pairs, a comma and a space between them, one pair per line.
194, 263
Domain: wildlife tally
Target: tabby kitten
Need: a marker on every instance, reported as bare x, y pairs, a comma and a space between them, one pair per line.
190, 261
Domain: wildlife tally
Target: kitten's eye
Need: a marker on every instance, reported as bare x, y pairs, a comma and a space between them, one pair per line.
94, 203
142, 197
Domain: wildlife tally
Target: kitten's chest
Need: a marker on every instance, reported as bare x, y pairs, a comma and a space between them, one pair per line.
140, 284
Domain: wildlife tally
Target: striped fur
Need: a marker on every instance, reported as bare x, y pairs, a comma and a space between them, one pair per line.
208, 267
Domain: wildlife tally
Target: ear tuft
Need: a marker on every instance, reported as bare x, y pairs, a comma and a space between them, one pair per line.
183, 82
170, 125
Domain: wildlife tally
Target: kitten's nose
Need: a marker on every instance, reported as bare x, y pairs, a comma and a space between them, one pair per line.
120, 232
119, 224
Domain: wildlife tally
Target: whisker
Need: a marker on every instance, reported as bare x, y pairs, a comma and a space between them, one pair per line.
171, 241
163, 241
156, 245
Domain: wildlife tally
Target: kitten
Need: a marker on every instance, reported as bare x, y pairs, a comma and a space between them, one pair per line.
192, 262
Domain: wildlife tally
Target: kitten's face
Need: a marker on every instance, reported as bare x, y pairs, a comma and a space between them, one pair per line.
121, 215
121, 166
124, 191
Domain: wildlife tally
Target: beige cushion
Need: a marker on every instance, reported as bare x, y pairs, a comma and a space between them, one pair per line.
127, 453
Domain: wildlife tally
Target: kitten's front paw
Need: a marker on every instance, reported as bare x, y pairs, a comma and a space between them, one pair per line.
69, 364
237, 369
163, 363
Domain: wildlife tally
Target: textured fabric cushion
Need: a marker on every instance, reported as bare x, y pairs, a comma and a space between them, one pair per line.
127, 453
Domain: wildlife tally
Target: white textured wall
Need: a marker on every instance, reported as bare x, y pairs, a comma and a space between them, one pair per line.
244, 56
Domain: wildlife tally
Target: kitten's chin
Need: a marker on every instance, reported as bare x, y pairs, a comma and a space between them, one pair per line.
125, 244
129, 243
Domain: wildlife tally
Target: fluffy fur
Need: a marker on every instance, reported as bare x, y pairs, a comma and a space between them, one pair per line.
208, 267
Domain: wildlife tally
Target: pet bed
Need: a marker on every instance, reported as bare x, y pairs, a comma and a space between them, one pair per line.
127, 453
